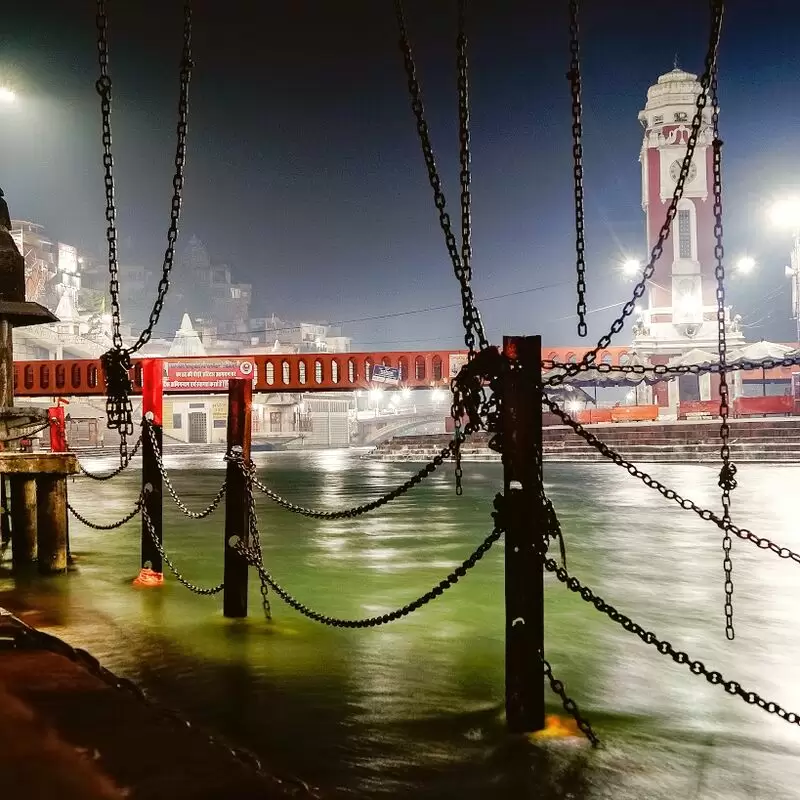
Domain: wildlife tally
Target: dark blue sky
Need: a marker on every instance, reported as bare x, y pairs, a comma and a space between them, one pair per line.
305, 173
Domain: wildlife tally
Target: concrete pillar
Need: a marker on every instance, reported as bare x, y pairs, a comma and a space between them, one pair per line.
23, 519
52, 523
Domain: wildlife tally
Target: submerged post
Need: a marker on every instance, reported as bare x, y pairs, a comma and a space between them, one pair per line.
151, 571
525, 533
237, 506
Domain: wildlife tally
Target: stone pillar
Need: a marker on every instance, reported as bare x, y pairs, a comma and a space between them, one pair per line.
52, 523
23, 519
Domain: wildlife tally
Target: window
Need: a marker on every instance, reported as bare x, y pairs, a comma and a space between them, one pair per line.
274, 421
681, 116
177, 421
684, 233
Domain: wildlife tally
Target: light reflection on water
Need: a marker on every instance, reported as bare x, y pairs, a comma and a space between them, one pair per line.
415, 708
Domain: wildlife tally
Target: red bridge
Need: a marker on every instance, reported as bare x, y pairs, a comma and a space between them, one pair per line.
273, 372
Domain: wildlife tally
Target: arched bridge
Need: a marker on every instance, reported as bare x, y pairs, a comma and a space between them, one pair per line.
374, 430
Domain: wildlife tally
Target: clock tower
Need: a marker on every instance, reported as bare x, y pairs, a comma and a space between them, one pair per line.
681, 309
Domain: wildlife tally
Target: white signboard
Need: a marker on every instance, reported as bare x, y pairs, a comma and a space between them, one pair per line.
457, 361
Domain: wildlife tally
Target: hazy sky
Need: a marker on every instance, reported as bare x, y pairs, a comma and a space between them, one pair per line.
305, 172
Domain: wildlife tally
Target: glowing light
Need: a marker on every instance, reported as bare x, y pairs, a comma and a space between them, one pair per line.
786, 213
7, 95
573, 406
406, 393
745, 265
375, 395
638, 310
630, 395
437, 396
631, 267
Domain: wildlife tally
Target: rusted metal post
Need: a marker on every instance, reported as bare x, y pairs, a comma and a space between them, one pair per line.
525, 533
51, 505
151, 571
6, 364
23, 520
237, 506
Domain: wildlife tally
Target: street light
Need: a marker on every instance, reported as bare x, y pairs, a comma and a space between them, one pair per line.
745, 265
786, 213
7, 96
631, 266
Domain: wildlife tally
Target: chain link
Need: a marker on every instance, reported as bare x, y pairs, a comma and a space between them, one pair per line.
130, 456
192, 587
570, 706
727, 475
209, 509
590, 356
356, 511
574, 77
111, 526
117, 361
27, 435
761, 542
666, 648
473, 325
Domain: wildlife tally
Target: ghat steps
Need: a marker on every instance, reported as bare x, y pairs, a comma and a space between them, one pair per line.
775, 440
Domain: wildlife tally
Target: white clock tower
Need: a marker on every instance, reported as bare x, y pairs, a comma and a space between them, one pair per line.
681, 311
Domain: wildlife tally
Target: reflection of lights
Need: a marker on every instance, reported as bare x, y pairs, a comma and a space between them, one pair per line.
7, 95
573, 406
375, 395
437, 396
786, 213
631, 266
395, 399
745, 264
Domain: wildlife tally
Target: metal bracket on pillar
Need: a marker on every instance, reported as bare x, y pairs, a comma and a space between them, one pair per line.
525, 533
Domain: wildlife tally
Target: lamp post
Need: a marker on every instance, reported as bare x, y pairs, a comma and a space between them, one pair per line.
786, 214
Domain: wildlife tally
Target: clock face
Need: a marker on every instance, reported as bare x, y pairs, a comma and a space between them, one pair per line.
675, 171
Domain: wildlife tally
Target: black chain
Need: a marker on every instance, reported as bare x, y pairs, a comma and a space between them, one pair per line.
26, 435
117, 361
570, 706
27, 637
590, 356
761, 542
192, 587
574, 77
130, 456
727, 475
356, 511
209, 509
666, 648
112, 525
473, 326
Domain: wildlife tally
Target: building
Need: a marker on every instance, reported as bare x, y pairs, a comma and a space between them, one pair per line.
681, 311
282, 336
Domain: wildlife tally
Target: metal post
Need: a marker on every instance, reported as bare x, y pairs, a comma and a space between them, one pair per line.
237, 505
6, 365
525, 532
152, 567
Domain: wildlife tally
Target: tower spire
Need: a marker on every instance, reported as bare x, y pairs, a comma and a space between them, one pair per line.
675, 64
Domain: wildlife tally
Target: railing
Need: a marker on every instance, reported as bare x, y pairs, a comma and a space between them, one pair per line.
272, 373
758, 406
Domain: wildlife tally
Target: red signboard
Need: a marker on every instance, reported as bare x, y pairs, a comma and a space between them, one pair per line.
205, 374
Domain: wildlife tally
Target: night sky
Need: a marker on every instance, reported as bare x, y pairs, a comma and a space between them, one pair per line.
305, 173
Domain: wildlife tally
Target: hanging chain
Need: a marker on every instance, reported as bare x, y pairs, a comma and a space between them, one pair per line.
727, 475
574, 76
117, 361
570, 706
112, 525
108, 476
473, 326
717, 8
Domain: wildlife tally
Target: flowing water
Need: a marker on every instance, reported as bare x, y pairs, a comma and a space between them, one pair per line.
415, 708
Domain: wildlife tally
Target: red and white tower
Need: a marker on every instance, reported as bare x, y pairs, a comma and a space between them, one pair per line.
682, 309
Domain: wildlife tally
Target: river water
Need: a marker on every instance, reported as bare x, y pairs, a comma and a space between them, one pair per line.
415, 708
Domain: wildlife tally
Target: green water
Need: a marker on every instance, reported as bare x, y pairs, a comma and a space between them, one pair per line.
414, 709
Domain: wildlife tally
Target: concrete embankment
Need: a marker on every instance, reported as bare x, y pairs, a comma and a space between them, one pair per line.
71, 730
770, 440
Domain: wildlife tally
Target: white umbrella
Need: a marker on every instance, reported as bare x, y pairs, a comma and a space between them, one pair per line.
760, 351
694, 358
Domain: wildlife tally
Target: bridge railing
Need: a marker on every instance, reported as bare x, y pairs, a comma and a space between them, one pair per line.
301, 372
